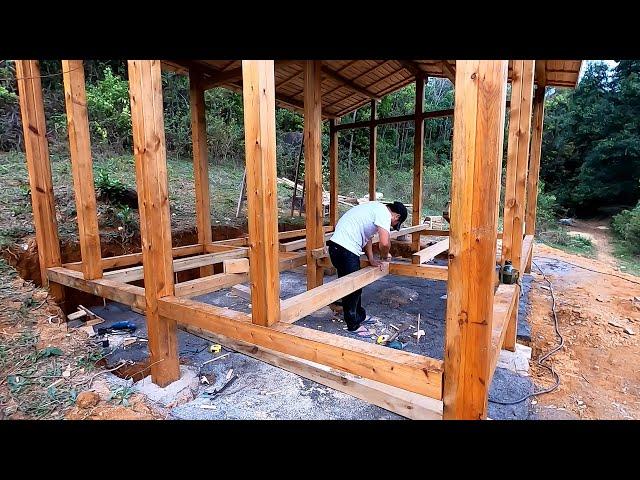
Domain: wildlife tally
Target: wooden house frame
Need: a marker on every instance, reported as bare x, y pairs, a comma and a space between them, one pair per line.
481, 315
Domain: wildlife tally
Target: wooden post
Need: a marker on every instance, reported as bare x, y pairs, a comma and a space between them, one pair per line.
534, 165
39, 167
82, 167
333, 173
373, 146
313, 169
477, 150
145, 91
258, 90
200, 163
418, 152
516, 182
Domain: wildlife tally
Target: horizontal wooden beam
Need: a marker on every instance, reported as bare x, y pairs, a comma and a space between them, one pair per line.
405, 370
295, 308
135, 258
348, 83
299, 244
204, 285
243, 241
220, 78
399, 119
132, 274
408, 404
429, 253
201, 286
429, 272
505, 301
105, 288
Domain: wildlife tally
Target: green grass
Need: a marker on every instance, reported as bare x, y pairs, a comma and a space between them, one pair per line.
560, 239
628, 262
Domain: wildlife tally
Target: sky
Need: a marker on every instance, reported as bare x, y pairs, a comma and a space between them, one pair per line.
610, 63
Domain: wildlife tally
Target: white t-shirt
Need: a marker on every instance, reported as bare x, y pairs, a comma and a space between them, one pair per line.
356, 227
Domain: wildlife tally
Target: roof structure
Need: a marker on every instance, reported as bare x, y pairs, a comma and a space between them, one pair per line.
351, 84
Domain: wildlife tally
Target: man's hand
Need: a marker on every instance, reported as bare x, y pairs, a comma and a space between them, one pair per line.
375, 263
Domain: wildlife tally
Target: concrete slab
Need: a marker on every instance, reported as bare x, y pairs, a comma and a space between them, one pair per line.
517, 362
180, 391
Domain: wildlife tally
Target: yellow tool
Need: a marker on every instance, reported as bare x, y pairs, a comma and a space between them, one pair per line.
215, 348
382, 339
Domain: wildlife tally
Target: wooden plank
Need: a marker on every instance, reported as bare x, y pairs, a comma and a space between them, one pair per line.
333, 173
132, 274
236, 265
429, 272
373, 148
408, 404
200, 162
534, 165
477, 150
504, 303
134, 258
295, 308
145, 91
399, 119
313, 167
105, 288
405, 370
82, 167
527, 248
201, 286
429, 253
39, 167
262, 193
418, 154
448, 70
516, 182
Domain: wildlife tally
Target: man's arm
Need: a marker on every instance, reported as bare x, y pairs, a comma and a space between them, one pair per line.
368, 249
384, 244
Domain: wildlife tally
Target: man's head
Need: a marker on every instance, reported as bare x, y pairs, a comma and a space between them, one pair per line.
398, 214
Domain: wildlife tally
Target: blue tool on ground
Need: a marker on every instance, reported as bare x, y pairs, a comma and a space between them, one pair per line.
125, 326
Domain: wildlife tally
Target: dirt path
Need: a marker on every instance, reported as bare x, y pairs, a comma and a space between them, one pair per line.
599, 318
598, 232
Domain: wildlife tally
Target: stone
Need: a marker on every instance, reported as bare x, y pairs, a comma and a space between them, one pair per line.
87, 399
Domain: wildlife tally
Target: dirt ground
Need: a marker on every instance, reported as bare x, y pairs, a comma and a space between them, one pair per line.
599, 318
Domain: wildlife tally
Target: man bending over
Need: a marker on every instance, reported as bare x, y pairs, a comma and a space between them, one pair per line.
352, 234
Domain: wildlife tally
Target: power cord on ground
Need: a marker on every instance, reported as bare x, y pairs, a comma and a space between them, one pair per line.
545, 356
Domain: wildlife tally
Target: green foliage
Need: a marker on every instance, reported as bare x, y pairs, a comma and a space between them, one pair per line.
120, 395
591, 142
626, 225
109, 188
577, 244
109, 110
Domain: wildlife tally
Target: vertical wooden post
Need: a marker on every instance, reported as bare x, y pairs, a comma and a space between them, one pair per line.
259, 96
373, 147
333, 173
313, 168
82, 167
534, 165
145, 91
200, 163
418, 153
477, 151
516, 183
39, 167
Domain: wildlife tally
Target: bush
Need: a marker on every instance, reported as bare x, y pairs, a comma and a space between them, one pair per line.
626, 225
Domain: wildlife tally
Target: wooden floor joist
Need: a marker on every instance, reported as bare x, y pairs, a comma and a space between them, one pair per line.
429, 253
132, 274
408, 404
105, 288
295, 308
405, 370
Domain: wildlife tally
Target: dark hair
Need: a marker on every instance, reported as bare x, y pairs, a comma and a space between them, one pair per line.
400, 209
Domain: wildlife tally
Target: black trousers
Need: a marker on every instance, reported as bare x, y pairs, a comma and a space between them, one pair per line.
347, 262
